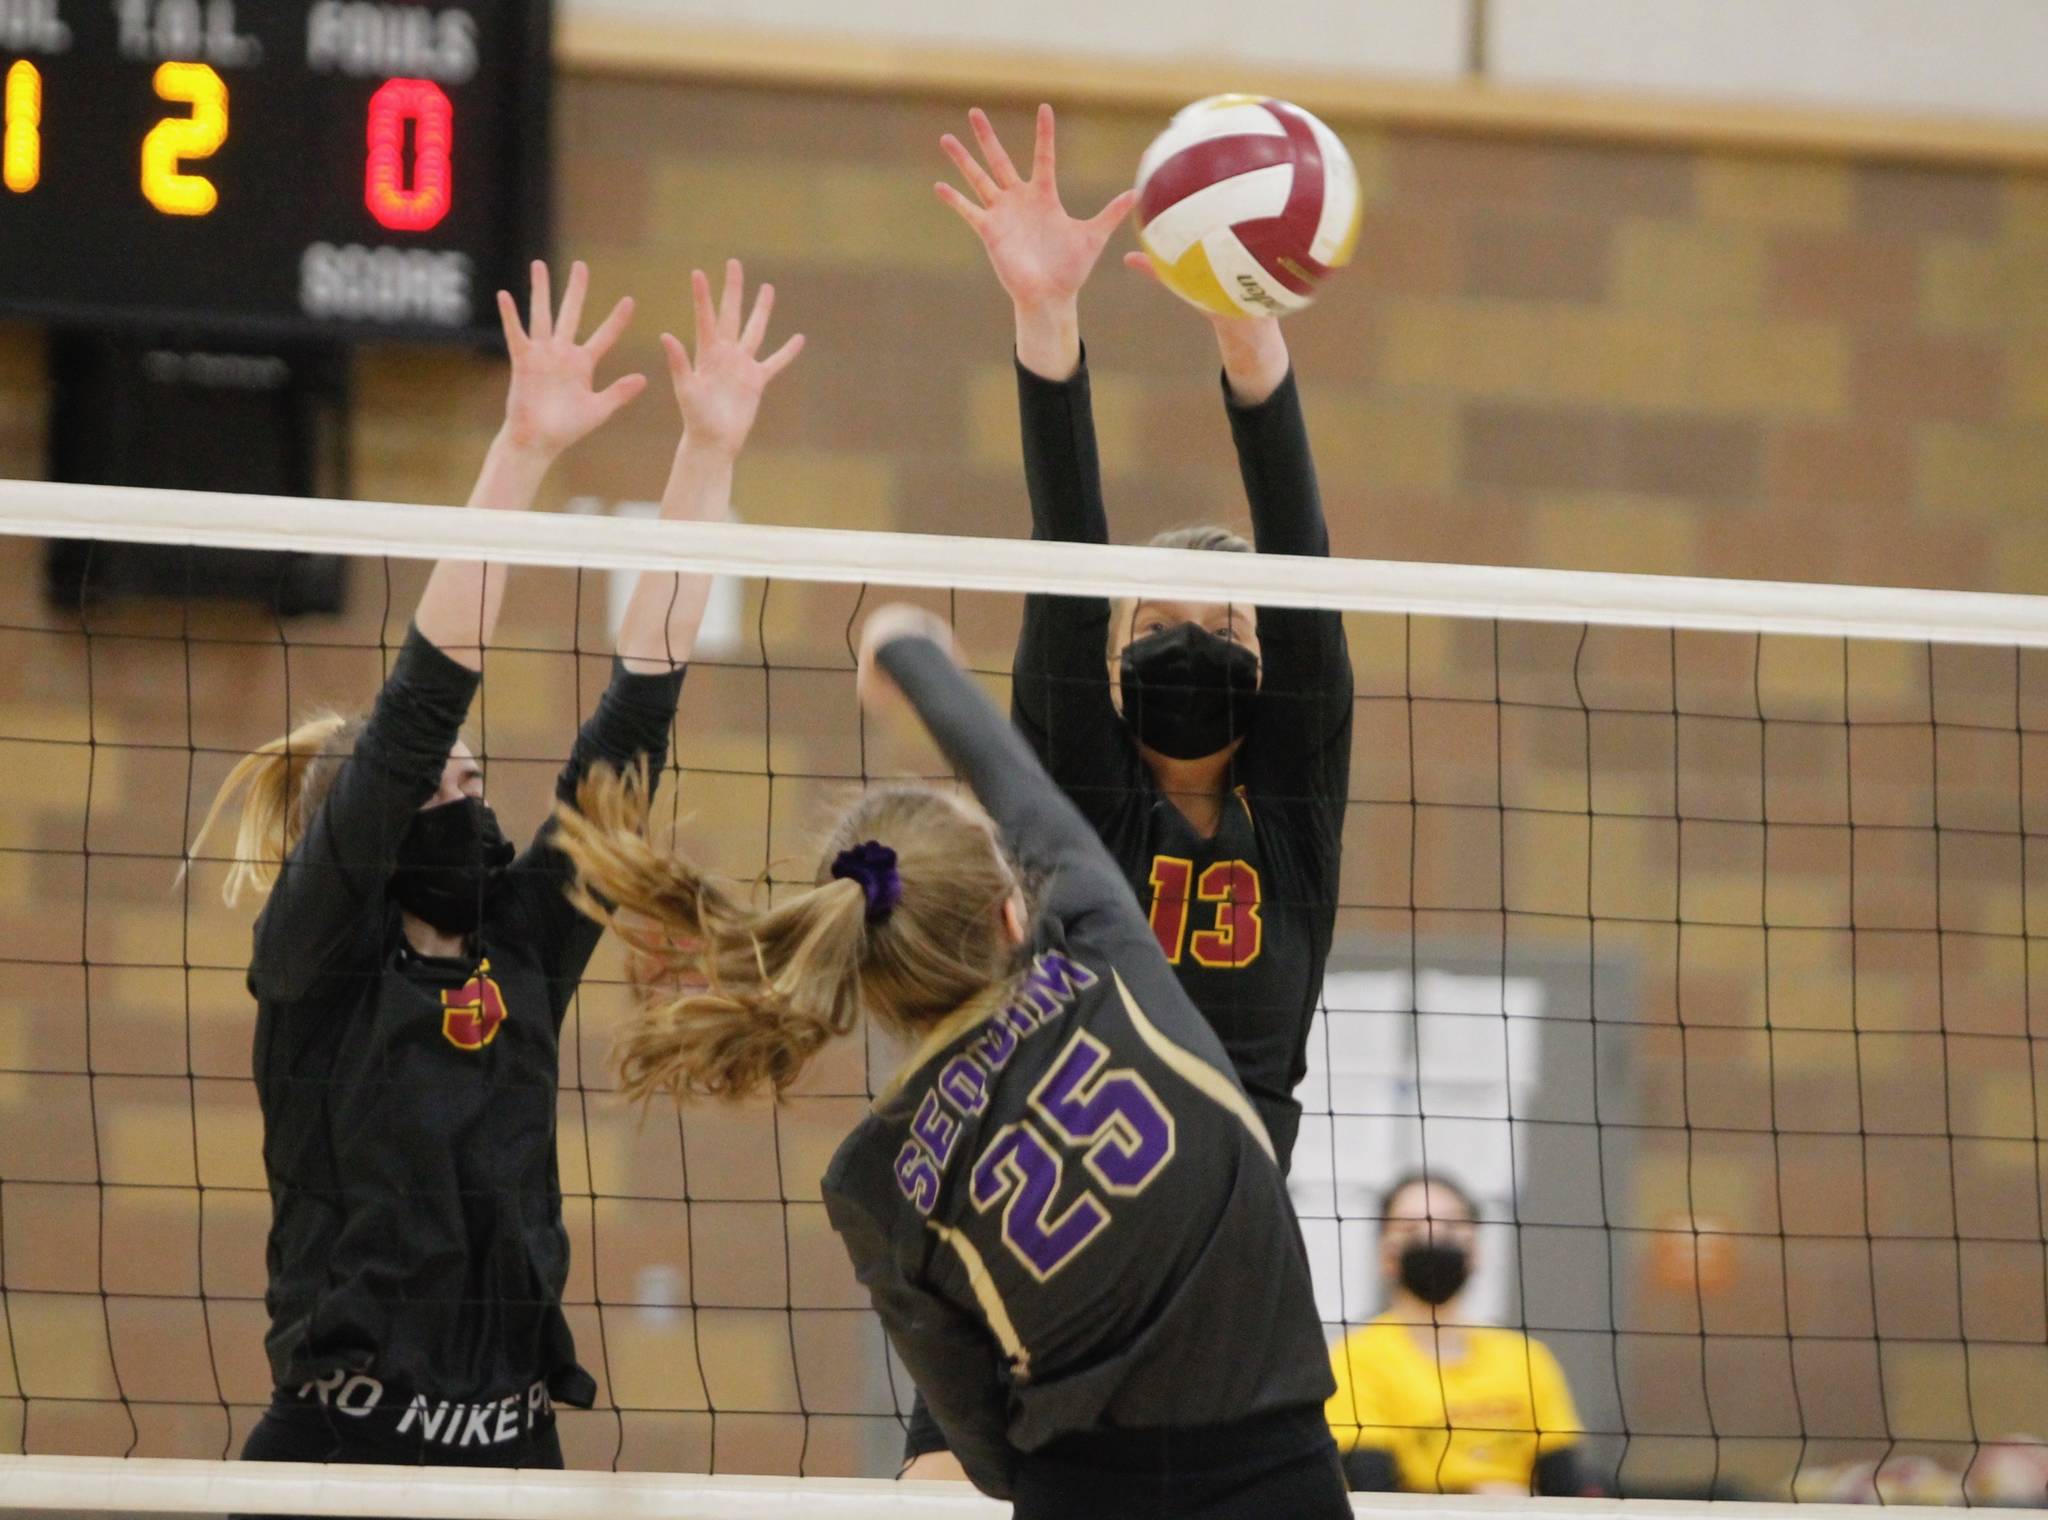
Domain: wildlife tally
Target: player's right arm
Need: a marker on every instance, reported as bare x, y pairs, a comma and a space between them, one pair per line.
349, 848
1043, 257
911, 650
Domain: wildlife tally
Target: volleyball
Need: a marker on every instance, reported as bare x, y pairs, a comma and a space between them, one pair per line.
1246, 204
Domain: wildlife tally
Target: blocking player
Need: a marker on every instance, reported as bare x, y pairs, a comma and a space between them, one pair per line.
412, 971
1208, 743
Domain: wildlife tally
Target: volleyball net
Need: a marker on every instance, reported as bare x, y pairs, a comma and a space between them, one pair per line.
1687, 925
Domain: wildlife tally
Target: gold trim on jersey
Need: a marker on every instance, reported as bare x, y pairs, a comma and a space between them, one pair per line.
1195, 1071
986, 1294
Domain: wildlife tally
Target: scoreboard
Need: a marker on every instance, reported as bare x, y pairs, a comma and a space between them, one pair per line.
333, 169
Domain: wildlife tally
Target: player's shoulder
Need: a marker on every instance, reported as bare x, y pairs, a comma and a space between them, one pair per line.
862, 1159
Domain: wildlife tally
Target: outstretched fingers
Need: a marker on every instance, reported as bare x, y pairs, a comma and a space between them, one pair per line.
540, 309
968, 212
731, 301
1105, 221
782, 358
1044, 160
705, 315
609, 330
757, 323
572, 300
508, 318
679, 366
1000, 168
970, 168
619, 393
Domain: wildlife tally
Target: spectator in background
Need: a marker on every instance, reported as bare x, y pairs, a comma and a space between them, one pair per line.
1428, 1402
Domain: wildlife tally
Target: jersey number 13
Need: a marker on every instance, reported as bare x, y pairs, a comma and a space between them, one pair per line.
1233, 940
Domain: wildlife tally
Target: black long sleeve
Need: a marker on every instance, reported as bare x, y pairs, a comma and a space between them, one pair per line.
1060, 694
341, 864
1301, 750
1370, 1470
1559, 1474
632, 722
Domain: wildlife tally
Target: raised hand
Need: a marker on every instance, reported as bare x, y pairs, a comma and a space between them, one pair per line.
553, 402
1041, 255
877, 690
719, 392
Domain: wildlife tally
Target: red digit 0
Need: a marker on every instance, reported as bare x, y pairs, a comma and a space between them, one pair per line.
420, 207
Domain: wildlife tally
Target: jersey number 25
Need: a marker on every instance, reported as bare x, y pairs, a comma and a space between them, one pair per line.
1124, 1134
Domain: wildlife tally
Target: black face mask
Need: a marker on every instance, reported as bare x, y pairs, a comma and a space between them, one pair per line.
1434, 1274
446, 863
1187, 692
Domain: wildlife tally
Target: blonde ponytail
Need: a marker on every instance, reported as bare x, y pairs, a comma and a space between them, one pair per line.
744, 997
280, 785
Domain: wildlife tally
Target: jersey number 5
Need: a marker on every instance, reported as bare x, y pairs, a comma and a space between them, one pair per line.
1116, 1121
1235, 938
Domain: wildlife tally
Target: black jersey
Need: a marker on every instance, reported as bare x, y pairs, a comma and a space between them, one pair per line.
1068, 1214
1246, 917
408, 1102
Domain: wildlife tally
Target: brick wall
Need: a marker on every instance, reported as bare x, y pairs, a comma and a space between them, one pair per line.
1550, 355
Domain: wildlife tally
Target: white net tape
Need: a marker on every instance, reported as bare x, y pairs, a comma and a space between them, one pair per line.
160, 1486
43, 510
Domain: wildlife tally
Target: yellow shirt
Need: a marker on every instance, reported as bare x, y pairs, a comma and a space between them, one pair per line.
1484, 1418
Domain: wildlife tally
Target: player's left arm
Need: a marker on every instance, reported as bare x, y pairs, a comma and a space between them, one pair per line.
1306, 686
719, 395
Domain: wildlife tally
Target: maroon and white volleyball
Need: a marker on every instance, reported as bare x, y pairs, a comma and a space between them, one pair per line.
1246, 204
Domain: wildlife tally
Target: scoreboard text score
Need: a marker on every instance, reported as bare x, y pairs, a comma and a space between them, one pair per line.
299, 167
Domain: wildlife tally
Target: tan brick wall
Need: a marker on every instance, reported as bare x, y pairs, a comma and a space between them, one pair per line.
1618, 359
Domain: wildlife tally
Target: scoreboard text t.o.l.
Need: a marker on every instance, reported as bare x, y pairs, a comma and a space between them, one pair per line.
326, 168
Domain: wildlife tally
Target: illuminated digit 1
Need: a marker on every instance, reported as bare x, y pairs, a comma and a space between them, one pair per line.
21, 152
421, 208
177, 138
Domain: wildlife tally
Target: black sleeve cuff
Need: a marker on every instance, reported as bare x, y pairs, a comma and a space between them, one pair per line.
1558, 1474
1286, 398
421, 665
646, 695
921, 1436
1370, 1470
1032, 385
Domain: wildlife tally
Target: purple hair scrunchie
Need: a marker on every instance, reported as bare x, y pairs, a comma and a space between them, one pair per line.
873, 865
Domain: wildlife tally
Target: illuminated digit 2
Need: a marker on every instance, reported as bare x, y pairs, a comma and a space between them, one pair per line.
21, 150
177, 138
420, 207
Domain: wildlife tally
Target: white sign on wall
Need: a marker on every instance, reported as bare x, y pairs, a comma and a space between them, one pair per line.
1407, 1074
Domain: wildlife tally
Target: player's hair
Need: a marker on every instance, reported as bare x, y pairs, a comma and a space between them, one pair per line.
744, 996
1202, 536
1420, 1178
281, 786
